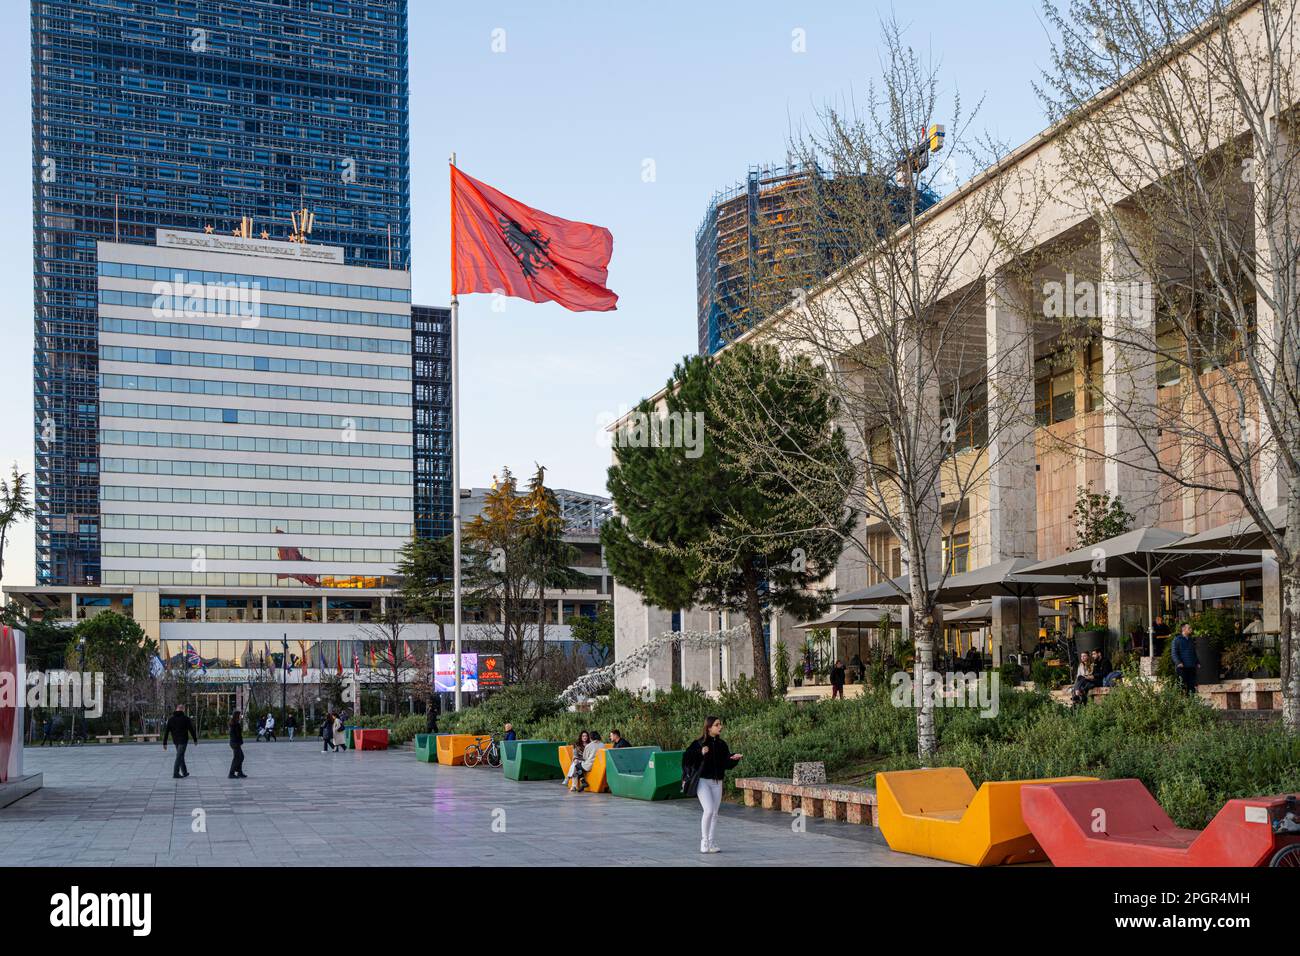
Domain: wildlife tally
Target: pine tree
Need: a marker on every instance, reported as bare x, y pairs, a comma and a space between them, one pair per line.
699, 521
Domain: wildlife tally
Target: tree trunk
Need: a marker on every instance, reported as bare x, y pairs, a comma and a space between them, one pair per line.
1290, 649
541, 617
758, 647
923, 672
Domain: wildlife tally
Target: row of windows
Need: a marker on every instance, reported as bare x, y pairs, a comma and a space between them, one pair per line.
244, 443
258, 499
244, 552
221, 333
249, 416
291, 393
236, 579
254, 363
124, 270
371, 529
218, 300
218, 469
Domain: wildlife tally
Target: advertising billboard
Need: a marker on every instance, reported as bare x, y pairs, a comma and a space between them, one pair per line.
444, 673
491, 672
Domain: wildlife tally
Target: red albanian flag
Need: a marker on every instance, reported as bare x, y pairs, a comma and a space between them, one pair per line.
500, 245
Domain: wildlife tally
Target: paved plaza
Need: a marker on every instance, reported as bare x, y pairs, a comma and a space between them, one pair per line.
119, 806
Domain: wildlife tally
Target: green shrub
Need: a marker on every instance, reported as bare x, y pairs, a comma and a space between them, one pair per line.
1170, 741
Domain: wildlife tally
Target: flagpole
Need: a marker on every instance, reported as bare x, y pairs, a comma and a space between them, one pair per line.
455, 458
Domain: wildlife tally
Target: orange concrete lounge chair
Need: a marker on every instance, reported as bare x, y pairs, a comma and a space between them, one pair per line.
939, 814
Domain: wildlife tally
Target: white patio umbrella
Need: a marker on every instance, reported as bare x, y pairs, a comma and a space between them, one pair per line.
983, 613
1240, 535
1140, 553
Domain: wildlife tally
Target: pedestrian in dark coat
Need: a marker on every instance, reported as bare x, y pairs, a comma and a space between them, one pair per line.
237, 747
1183, 652
180, 729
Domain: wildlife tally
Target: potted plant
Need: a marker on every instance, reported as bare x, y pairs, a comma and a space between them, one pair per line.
782, 668
1089, 638
1214, 630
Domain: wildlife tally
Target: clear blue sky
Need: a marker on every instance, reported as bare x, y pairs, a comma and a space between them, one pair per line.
564, 119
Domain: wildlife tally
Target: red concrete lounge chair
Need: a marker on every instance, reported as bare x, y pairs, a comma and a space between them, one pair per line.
1119, 823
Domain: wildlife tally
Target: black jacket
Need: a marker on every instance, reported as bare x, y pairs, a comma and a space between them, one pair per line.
837, 676
180, 729
236, 733
622, 742
714, 764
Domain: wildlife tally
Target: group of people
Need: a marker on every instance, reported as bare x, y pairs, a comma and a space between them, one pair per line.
332, 736
180, 732
1094, 670
585, 749
266, 727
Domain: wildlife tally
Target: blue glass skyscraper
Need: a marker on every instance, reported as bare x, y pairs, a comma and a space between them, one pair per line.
192, 114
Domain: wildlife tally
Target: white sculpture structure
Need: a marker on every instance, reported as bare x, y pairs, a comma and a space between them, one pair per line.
602, 678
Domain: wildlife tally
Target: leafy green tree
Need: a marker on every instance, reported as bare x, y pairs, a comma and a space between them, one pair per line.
1097, 517
425, 567
117, 647
595, 633
706, 522
15, 507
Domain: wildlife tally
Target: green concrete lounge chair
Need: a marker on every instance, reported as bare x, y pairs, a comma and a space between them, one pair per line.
426, 748
644, 773
531, 759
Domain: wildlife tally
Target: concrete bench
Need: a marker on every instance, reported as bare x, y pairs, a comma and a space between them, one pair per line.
830, 801
1244, 694
145, 738
109, 738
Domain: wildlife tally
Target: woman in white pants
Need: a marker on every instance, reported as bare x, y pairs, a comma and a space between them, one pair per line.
714, 758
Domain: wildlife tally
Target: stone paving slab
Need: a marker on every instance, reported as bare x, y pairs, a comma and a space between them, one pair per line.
119, 806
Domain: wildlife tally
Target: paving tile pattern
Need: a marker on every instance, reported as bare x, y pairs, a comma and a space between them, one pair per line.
119, 806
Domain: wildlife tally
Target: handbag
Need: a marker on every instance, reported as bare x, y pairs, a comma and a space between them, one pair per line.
691, 780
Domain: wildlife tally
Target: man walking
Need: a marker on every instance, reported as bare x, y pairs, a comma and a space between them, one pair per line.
1183, 652
291, 724
181, 730
837, 680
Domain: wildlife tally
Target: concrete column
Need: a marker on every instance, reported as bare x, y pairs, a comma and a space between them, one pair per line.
851, 568
265, 608
72, 611
1012, 512
324, 608
203, 608
559, 610
635, 624
1128, 366
1275, 226
921, 381
1127, 310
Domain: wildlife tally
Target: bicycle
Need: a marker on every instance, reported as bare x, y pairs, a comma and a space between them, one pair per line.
476, 753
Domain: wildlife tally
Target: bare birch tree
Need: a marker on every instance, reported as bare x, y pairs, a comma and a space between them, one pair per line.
1178, 139
901, 324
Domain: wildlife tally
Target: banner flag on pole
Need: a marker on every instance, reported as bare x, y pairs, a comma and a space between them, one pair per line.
500, 245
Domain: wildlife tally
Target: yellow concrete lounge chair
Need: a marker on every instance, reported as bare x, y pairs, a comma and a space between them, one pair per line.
939, 814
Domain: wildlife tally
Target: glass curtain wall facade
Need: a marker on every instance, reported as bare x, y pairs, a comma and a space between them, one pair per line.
149, 114
431, 421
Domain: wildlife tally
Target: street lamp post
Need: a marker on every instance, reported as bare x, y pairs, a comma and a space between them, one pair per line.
81, 671
284, 674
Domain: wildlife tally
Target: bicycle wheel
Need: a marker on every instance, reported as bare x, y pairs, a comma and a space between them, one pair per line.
494, 756
472, 756
1287, 856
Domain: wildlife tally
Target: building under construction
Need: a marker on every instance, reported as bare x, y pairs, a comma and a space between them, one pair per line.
769, 235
